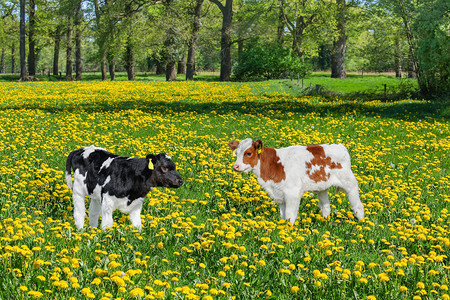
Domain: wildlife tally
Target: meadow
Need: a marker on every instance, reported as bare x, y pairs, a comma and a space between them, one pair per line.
219, 236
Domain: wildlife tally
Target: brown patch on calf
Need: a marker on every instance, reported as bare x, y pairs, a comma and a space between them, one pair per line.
321, 160
251, 157
271, 167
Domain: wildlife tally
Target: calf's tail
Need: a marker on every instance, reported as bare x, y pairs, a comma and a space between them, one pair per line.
69, 170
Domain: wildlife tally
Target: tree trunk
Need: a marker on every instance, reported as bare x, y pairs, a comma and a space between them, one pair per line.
281, 25
100, 40
23, 66
412, 71
160, 67
190, 64
56, 50
78, 67
112, 66
13, 58
31, 41
398, 58
112, 69
338, 51
225, 42
225, 38
129, 58
182, 65
171, 71
240, 47
69, 68
3, 61
103, 67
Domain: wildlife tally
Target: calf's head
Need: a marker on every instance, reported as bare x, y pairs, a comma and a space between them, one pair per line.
247, 154
164, 171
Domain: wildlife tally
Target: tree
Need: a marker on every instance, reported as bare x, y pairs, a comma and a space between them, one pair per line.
101, 32
57, 43
425, 27
31, 38
69, 41
78, 17
8, 31
338, 51
308, 22
23, 68
432, 49
225, 38
190, 64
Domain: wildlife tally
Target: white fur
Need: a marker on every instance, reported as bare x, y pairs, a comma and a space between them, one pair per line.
89, 149
288, 192
69, 180
106, 163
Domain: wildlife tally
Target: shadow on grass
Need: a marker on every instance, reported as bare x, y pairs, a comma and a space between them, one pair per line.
274, 106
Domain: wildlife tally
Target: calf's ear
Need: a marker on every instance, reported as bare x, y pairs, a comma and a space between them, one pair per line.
259, 146
233, 145
151, 159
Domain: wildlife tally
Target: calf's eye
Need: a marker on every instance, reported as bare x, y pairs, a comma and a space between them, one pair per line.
164, 169
248, 153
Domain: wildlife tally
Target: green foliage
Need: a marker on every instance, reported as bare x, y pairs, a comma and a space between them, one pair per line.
258, 62
432, 26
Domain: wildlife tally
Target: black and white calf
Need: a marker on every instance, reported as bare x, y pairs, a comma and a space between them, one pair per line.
115, 182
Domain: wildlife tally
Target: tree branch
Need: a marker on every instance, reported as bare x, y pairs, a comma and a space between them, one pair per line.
220, 5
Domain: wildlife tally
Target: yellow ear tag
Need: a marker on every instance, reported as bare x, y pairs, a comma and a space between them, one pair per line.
259, 150
150, 165
234, 152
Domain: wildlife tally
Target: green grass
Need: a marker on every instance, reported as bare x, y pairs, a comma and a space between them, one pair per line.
219, 235
354, 85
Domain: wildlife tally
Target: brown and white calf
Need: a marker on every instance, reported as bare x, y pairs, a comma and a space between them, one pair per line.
287, 173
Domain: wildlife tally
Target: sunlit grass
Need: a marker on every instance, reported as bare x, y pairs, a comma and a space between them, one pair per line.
219, 235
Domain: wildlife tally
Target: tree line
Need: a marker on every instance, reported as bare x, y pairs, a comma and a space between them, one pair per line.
250, 39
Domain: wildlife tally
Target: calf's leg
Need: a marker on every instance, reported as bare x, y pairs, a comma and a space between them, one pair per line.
78, 203
282, 210
95, 209
352, 191
292, 202
107, 211
135, 215
324, 203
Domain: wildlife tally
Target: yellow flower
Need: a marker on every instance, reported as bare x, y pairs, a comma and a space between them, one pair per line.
295, 289
113, 264
137, 292
240, 273
420, 285
403, 288
35, 294
383, 277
